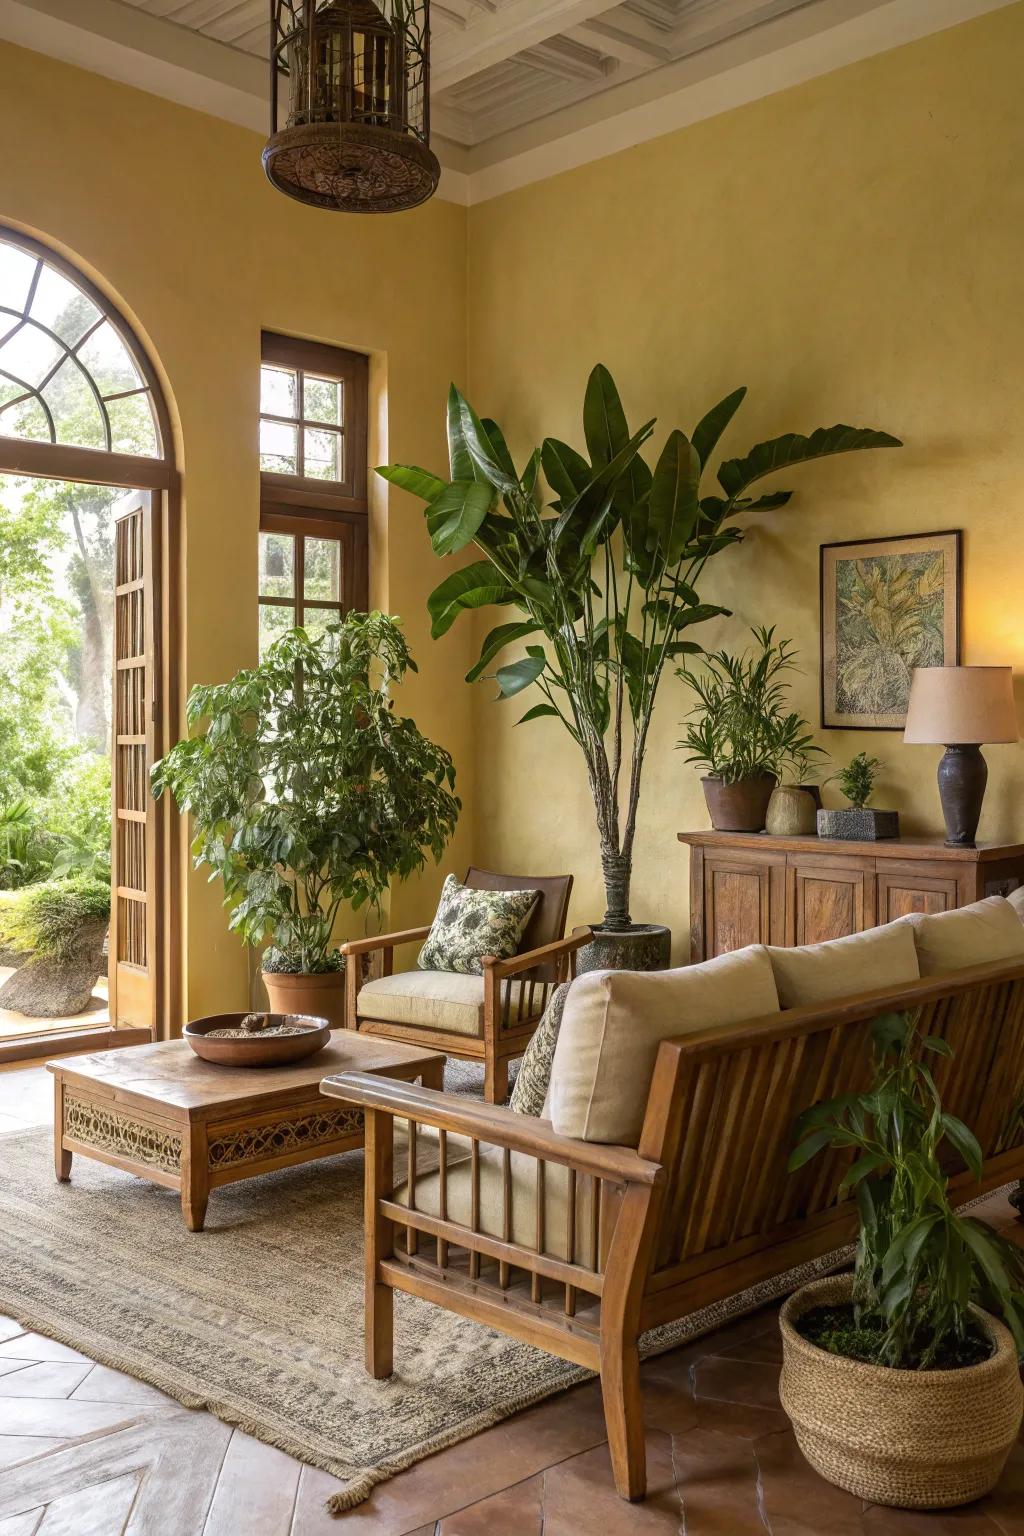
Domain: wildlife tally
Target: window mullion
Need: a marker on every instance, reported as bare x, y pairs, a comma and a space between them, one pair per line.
300, 411
300, 579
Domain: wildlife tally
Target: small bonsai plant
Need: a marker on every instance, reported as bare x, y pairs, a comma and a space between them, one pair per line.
307, 789
740, 729
930, 1411
857, 779
857, 822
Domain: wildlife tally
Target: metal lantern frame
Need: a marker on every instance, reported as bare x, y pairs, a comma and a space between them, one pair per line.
357, 136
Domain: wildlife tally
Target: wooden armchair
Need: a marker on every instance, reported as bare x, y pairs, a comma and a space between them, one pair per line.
579, 1248
488, 1018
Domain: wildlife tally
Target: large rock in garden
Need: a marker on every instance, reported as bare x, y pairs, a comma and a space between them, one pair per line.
49, 988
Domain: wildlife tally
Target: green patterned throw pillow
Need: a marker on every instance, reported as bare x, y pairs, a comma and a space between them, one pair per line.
470, 924
531, 1085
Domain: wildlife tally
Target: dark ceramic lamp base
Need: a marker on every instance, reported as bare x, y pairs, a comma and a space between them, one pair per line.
963, 774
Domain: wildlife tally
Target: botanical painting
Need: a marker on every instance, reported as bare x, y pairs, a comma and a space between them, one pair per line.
887, 606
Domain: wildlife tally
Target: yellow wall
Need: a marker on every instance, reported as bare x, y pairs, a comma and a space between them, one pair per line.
169, 211
851, 250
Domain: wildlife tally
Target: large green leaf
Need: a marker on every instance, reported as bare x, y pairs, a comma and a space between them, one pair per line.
604, 420
474, 586
496, 641
517, 675
470, 450
674, 500
411, 478
537, 713
710, 427
735, 475
498, 446
567, 471
455, 515
580, 512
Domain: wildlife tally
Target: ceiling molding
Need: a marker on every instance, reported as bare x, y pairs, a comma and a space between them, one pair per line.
605, 61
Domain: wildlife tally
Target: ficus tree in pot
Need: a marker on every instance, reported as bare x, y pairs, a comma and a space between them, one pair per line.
308, 790
600, 557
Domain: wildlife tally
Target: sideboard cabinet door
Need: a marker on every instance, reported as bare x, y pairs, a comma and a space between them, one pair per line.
905, 888
828, 899
743, 901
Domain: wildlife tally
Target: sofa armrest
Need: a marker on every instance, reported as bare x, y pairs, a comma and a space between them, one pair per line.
492, 1124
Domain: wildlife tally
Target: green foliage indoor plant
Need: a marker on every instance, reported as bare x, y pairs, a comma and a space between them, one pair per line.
308, 790
934, 1405
741, 730
600, 572
858, 822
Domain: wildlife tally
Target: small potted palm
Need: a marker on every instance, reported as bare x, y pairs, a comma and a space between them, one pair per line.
741, 731
901, 1384
858, 822
307, 791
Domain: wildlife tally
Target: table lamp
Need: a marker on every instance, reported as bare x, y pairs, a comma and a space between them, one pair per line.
959, 708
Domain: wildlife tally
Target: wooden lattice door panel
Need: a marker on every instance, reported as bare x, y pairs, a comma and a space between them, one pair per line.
133, 929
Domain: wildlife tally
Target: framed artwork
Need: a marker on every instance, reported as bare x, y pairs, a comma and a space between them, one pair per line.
887, 606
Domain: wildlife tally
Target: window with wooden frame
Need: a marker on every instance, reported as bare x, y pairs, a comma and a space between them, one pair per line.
313, 466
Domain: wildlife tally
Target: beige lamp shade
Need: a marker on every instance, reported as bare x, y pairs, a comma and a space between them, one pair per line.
952, 706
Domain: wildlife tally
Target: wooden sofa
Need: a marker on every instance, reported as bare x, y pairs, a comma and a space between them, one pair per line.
702, 1208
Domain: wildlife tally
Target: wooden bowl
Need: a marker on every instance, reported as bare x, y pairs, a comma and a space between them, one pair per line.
257, 1050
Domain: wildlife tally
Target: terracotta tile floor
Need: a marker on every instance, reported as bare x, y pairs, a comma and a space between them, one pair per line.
85, 1451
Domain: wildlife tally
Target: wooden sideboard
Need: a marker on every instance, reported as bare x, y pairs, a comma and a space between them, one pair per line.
751, 888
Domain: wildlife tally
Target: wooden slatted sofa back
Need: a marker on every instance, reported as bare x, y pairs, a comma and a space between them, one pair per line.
617, 1240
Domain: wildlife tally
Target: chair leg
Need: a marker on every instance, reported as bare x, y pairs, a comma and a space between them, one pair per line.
380, 1330
495, 1079
623, 1416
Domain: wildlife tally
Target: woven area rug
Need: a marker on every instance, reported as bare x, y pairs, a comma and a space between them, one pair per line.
260, 1317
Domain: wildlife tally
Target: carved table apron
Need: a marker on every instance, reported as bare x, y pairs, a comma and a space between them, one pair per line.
158, 1112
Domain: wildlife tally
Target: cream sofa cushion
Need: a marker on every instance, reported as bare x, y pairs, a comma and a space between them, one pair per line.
1016, 900
431, 1000
614, 1022
523, 1203
836, 968
981, 934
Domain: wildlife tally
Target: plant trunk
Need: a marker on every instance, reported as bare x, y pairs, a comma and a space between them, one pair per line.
617, 871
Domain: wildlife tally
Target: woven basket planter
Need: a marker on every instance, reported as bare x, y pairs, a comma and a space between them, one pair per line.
913, 1439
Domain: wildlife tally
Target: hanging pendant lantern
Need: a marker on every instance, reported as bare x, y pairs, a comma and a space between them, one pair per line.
356, 135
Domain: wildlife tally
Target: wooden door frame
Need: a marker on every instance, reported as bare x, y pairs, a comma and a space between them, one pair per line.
161, 477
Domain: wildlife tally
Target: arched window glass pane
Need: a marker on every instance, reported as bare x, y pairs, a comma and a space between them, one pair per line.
25, 419
106, 357
66, 374
29, 355
75, 410
62, 307
132, 428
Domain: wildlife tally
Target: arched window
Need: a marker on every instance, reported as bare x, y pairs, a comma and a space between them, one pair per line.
68, 372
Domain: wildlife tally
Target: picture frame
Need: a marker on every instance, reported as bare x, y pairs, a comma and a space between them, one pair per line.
912, 583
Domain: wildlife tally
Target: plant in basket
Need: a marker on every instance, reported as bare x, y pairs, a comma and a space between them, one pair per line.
307, 791
902, 1379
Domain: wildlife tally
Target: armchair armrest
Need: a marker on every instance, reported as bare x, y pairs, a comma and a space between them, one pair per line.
531, 958
493, 1124
384, 941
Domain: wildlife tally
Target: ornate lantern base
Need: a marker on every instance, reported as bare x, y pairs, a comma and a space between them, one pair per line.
351, 167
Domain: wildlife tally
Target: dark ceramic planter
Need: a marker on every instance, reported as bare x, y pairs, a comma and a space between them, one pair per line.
739, 807
642, 947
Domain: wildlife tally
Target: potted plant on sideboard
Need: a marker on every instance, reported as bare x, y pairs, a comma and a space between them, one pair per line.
901, 1389
742, 732
858, 822
307, 790
605, 585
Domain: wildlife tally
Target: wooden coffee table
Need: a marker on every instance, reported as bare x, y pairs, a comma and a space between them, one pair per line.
160, 1112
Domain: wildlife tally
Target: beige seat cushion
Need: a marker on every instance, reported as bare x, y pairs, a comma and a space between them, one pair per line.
980, 934
614, 1022
523, 1204
862, 962
1016, 900
431, 1000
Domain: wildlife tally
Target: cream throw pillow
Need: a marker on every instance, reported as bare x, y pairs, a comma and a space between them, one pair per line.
981, 934
862, 962
614, 1021
1016, 900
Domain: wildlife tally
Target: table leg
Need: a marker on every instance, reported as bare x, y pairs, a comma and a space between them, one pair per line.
195, 1176
61, 1155
433, 1076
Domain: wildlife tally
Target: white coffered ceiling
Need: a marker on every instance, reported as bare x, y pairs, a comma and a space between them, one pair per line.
520, 88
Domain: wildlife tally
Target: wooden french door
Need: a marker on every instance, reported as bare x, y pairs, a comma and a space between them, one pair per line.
134, 969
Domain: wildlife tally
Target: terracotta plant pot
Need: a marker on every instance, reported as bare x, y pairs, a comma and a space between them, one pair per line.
321, 997
791, 813
739, 807
911, 1439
